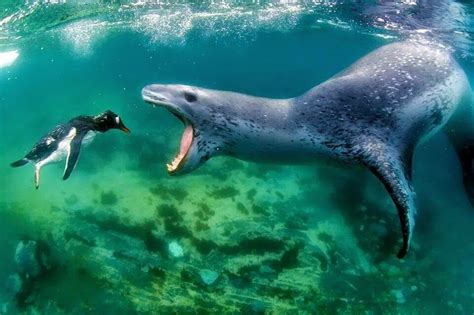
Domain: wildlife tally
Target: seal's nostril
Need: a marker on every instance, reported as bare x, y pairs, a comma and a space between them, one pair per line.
151, 96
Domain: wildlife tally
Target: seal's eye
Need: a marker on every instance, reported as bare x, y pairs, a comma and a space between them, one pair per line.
190, 97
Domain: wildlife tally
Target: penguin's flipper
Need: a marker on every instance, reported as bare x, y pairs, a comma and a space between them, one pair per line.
73, 154
19, 163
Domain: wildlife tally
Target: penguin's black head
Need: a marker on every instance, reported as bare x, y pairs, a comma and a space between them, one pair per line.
109, 120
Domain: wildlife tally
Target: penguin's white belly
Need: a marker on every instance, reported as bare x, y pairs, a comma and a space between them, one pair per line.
57, 156
62, 152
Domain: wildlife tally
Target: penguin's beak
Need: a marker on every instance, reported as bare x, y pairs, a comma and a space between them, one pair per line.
124, 129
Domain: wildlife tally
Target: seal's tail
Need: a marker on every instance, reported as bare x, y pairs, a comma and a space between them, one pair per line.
460, 130
466, 155
19, 163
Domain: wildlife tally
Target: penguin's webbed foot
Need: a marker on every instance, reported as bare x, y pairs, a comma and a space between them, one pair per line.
37, 177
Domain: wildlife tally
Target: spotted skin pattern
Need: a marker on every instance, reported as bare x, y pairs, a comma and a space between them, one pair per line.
374, 113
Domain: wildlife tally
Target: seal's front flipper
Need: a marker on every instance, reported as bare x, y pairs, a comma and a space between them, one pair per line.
73, 154
393, 169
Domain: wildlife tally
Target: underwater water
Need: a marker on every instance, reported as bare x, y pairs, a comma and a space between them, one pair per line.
121, 236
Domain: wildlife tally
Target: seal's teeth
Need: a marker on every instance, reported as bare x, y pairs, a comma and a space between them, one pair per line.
175, 163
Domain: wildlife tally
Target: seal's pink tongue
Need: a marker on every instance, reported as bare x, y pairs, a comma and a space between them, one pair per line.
186, 140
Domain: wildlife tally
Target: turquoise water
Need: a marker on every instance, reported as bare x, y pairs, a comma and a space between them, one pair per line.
280, 239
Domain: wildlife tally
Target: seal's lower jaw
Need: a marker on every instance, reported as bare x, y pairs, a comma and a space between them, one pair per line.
157, 100
185, 146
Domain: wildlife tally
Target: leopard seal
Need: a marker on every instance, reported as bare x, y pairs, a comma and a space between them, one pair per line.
374, 113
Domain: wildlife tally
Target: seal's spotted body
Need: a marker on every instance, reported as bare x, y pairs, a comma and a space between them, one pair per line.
374, 113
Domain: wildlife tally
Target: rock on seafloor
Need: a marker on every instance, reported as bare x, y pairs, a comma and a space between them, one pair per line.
209, 277
175, 250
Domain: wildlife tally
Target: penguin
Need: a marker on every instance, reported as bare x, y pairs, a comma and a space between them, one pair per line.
64, 142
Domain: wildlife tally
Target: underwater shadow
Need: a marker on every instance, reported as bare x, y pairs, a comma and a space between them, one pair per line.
362, 201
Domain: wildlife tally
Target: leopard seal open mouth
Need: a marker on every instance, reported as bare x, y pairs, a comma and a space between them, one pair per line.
374, 113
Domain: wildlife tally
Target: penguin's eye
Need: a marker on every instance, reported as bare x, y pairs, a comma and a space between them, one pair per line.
117, 120
190, 97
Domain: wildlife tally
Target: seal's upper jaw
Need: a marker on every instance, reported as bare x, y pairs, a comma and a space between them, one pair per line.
161, 95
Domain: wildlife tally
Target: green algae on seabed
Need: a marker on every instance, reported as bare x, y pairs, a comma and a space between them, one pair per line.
108, 198
262, 265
